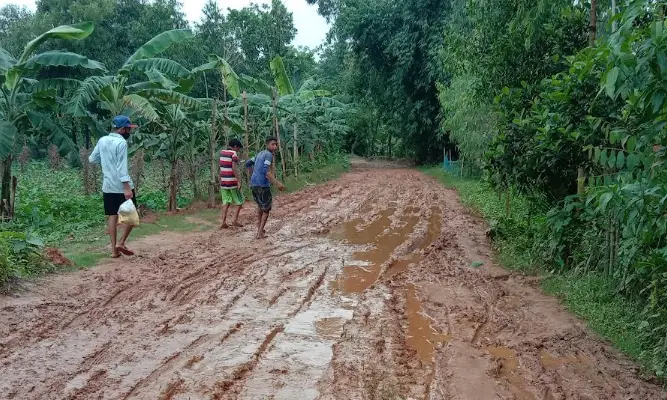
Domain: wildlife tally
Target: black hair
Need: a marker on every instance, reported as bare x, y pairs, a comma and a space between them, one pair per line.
271, 139
235, 143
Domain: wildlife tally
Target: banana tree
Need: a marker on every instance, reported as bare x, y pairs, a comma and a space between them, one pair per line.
21, 94
293, 102
165, 81
230, 82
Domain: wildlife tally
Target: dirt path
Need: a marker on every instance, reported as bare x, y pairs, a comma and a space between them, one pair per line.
366, 289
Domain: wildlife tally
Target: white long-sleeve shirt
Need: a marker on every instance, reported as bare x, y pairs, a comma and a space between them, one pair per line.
111, 153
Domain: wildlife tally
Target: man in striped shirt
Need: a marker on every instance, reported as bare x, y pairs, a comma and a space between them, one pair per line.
230, 182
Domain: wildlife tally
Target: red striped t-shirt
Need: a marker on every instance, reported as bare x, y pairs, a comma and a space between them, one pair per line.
227, 178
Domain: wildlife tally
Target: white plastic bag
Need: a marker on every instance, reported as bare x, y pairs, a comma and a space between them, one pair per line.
127, 214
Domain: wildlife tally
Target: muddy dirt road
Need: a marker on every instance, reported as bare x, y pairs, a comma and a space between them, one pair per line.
365, 289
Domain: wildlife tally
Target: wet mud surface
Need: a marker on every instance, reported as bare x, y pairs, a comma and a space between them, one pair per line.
365, 289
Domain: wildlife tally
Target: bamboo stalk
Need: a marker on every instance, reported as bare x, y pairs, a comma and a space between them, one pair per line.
581, 181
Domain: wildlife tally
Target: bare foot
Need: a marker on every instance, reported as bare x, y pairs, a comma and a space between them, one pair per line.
124, 250
115, 254
261, 236
224, 226
236, 224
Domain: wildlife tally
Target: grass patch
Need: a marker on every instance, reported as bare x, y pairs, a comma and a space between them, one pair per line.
589, 296
594, 299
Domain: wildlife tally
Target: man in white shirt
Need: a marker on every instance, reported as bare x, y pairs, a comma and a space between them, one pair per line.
117, 186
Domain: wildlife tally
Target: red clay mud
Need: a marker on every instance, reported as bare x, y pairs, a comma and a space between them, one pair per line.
364, 290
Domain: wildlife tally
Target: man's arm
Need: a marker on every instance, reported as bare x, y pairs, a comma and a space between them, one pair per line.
94, 158
250, 164
270, 174
122, 170
235, 167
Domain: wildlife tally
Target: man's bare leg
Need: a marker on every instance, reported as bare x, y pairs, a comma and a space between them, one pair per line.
121, 245
262, 224
259, 221
236, 217
112, 225
225, 209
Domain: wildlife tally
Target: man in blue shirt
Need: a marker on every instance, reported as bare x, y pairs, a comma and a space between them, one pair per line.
263, 174
117, 186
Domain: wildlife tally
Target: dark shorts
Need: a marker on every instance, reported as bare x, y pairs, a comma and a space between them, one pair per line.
263, 197
112, 202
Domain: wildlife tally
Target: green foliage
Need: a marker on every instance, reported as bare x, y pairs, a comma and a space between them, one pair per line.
588, 137
385, 55
467, 120
20, 257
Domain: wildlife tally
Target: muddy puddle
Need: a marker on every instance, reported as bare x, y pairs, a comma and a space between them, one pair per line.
509, 370
421, 335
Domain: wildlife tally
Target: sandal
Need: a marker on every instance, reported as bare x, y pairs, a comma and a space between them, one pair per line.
125, 251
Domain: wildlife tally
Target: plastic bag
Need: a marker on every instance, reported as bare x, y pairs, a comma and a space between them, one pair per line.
127, 214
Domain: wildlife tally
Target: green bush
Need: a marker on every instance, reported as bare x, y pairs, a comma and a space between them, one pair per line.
21, 256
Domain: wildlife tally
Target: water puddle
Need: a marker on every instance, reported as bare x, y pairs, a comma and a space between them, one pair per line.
432, 233
509, 365
421, 337
551, 362
330, 328
382, 237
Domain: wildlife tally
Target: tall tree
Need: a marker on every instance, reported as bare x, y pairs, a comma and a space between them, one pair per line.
263, 32
396, 45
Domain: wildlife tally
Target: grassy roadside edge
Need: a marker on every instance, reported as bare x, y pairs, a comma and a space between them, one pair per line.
588, 296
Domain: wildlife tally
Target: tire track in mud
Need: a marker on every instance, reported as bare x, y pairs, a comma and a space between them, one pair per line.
240, 373
220, 315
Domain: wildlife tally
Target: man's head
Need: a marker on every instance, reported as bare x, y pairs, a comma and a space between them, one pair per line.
123, 126
235, 145
272, 144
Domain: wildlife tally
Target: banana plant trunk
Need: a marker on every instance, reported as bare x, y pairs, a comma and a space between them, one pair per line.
246, 144
296, 152
215, 161
277, 129
6, 202
173, 186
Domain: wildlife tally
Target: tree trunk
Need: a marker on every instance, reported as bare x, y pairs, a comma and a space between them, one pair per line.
296, 152
389, 146
12, 196
173, 186
85, 171
275, 126
215, 161
594, 23
86, 136
193, 178
6, 211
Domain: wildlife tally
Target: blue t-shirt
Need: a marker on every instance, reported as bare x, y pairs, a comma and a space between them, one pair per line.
261, 164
